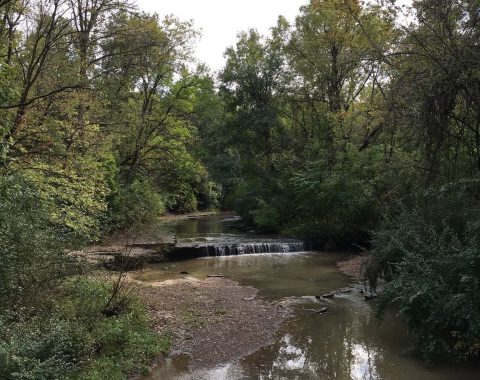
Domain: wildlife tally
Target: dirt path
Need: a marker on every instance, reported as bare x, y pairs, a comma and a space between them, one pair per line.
213, 321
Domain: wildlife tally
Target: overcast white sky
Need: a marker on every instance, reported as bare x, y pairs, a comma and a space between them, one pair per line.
221, 20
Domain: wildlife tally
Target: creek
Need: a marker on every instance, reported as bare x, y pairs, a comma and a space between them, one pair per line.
346, 342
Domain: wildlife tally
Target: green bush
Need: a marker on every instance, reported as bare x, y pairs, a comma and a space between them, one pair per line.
266, 216
53, 321
76, 339
333, 208
261, 202
209, 194
183, 200
42, 348
430, 259
124, 342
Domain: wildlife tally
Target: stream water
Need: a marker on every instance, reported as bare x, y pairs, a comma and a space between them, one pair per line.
347, 342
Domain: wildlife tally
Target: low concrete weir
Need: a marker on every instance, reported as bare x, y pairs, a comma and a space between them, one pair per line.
206, 250
236, 248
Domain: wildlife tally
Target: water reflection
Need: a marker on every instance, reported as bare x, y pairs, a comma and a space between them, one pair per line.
290, 356
347, 343
363, 365
211, 225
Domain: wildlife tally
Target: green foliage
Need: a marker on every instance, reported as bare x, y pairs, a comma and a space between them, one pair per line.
41, 349
7, 88
336, 208
266, 216
31, 244
160, 119
295, 137
78, 195
256, 202
123, 343
76, 340
208, 194
430, 257
136, 203
52, 321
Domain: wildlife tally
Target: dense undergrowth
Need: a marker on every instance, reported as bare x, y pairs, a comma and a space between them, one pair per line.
428, 253
69, 335
61, 319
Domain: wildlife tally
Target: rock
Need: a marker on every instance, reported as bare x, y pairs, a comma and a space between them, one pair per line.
322, 310
135, 258
370, 296
250, 298
328, 295
216, 276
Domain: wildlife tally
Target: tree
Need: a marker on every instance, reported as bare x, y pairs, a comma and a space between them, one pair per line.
334, 51
44, 31
435, 79
251, 82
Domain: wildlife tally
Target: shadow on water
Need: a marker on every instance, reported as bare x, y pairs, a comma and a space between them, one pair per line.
346, 342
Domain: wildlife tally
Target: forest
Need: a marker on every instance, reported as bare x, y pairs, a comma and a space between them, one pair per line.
355, 126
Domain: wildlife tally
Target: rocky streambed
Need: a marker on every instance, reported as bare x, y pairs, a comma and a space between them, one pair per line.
212, 321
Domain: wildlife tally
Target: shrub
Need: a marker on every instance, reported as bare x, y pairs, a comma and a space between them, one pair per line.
430, 258
42, 348
209, 194
123, 342
266, 216
53, 322
332, 207
260, 202
75, 339
183, 200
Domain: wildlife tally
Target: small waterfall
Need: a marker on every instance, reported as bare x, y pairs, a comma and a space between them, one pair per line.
207, 250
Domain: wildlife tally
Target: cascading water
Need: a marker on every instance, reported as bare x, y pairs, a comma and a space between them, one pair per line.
207, 250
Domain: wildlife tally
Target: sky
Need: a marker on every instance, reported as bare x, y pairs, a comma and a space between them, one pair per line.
221, 20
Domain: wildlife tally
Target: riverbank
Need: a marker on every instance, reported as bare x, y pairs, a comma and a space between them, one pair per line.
212, 321
353, 266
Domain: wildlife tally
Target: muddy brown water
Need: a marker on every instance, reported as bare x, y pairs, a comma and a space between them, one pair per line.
346, 342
